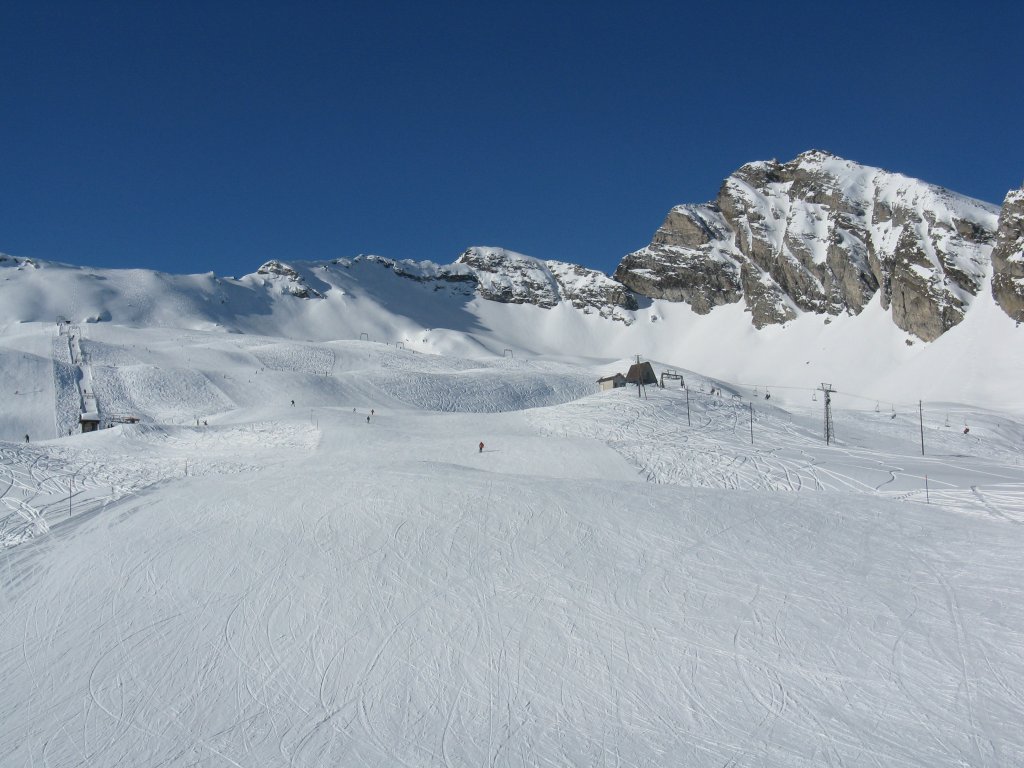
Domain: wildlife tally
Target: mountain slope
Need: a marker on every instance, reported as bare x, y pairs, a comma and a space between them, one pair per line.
822, 234
298, 586
438, 309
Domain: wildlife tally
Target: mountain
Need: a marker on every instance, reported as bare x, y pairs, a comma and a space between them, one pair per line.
824, 235
814, 270
1008, 256
497, 274
376, 512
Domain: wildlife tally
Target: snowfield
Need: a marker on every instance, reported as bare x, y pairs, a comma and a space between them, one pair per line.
681, 579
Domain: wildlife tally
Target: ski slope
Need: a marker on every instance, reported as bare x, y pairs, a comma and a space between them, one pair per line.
604, 584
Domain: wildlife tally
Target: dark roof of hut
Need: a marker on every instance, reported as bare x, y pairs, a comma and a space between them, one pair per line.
641, 373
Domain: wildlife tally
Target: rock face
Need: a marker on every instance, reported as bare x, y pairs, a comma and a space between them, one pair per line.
288, 280
504, 276
1008, 257
822, 234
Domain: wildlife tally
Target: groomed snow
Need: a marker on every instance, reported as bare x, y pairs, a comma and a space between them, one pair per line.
682, 579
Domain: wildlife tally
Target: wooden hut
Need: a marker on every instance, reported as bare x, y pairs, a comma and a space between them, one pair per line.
641, 374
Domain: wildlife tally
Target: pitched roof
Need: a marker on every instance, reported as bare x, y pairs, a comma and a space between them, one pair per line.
641, 373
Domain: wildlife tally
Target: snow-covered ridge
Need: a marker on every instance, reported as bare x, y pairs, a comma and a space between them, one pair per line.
507, 277
823, 234
288, 280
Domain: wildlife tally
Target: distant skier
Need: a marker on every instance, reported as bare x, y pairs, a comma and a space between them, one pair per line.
26, 438
367, 419
481, 446
371, 412
293, 403
767, 395
966, 430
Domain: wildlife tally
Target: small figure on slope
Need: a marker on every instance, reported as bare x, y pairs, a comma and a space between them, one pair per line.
481, 446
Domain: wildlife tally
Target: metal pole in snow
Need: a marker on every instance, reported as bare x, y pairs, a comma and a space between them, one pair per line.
69, 497
920, 414
751, 423
927, 498
687, 407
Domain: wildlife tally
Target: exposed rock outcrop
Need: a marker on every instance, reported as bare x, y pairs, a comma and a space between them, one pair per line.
497, 274
17, 262
690, 259
821, 234
1008, 257
288, 280
511, 278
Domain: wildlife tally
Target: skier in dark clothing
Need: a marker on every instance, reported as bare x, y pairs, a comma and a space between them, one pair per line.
481, 446
26, 438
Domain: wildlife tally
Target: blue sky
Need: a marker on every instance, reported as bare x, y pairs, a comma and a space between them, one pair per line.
197, 136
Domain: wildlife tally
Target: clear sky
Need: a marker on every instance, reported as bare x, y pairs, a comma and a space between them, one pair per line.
196, 136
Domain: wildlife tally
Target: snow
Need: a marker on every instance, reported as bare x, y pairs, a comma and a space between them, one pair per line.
675, 579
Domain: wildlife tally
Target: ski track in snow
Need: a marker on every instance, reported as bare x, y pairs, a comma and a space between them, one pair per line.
270, 591
43, 483
716, 451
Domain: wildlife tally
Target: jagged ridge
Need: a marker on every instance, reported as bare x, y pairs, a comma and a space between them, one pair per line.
822, 234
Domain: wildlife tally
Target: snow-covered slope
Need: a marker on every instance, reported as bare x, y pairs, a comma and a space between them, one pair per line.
374, 512
681, 579
450, 309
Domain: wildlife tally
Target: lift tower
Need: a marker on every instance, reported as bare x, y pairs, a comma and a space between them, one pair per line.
830, 432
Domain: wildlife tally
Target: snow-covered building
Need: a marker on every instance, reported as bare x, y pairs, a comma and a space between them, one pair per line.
611, 382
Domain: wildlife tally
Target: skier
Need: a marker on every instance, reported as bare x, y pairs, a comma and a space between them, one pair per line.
481, 446
26, 438
293, 403
367, 419
966, 430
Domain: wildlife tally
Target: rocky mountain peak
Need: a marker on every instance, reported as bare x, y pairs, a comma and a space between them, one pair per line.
288, 280
821, 234
1008, 256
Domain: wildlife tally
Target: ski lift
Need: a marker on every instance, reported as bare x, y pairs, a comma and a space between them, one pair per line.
814, 396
